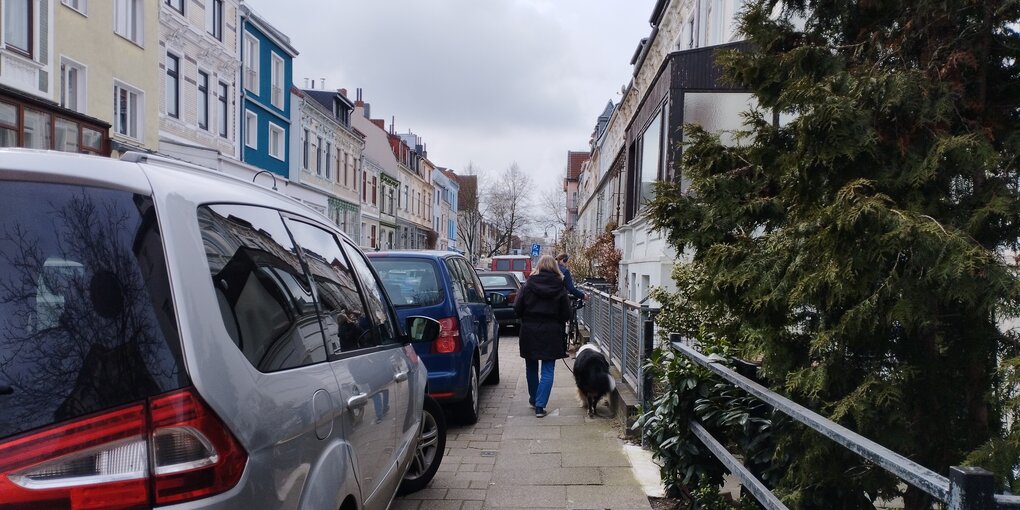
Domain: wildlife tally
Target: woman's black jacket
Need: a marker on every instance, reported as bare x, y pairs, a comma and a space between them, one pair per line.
544, 308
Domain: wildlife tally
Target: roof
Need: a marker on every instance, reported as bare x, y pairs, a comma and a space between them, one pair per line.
575, 160
413, 253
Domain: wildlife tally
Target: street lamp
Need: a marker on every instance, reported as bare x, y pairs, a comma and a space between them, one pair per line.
271, 174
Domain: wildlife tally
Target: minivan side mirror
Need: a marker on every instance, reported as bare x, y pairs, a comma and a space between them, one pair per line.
495, 299
422, 329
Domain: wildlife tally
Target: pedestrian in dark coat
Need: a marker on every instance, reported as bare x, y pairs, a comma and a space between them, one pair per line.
544, 308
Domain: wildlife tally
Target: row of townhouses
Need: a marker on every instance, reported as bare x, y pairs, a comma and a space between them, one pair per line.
637, 140
210, 82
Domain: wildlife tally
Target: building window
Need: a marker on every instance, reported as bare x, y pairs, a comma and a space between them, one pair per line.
277, 77
214, 18
37, 130
251, 129
203, 100
18, 26
375, 182
364, 188
329, 159
173, 85
371, 240
318, 158
276, 141
127, 111
305, 152
72, 85
78, 5
8, 125
251, 63
127, 19
177, 5
224, 112
651, 159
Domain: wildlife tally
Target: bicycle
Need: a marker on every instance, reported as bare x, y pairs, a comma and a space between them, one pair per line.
573, 331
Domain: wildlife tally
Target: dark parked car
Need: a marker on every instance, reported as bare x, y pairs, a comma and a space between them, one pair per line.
443, 285
171, 336
507, 284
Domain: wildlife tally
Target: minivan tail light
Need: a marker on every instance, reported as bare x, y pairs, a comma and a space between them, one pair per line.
449, 336
169, 449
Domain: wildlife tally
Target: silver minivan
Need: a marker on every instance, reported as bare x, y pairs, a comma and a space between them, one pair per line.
172, 337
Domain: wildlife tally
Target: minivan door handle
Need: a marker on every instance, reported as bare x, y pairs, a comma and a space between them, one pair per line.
401, 376
358, 400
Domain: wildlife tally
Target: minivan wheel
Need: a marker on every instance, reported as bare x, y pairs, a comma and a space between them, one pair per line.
429, 452
493, 377
468, 409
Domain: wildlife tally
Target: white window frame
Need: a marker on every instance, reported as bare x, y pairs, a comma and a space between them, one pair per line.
251, 62
201, 97
213, 26
278, 70
127, 20
251, 136
173, 92
66, 65
170, 4
278, 150
80, 6
223, 114
138, 114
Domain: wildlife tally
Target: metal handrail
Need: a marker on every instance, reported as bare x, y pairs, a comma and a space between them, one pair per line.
958, 490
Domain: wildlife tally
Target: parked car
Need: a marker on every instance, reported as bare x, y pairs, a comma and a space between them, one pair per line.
171, 336
442, 285
519, 263
507, 284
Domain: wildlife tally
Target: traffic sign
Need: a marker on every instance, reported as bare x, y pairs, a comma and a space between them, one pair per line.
535, 249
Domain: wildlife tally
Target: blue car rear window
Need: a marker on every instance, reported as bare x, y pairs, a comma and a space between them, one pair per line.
410, 282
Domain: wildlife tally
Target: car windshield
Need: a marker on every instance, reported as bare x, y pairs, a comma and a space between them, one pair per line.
86, 318
410, 282
496, 280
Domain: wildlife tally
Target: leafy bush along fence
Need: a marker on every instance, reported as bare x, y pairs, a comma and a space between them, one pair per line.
671, 423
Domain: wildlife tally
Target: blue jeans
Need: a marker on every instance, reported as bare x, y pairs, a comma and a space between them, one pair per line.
540, 388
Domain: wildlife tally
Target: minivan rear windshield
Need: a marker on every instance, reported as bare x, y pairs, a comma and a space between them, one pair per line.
410, 282
86, 317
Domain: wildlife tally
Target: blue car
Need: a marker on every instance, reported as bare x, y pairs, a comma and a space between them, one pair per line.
443, 285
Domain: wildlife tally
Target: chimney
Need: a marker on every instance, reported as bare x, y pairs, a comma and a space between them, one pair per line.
322, 83
306, 83
343, 92
393, 123
379, 122
368, 111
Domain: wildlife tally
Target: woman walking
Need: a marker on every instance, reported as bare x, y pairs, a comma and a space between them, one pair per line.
543, 307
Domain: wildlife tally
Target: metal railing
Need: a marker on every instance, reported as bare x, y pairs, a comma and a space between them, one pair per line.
966, 488
619, 328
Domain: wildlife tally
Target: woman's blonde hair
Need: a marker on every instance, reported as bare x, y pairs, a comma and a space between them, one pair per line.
547, 263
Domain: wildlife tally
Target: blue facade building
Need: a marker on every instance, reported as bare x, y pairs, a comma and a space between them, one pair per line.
267, 62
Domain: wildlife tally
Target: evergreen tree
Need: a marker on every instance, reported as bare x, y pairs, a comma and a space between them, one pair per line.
859, 242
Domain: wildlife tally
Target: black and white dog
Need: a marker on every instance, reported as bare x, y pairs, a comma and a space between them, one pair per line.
591, 373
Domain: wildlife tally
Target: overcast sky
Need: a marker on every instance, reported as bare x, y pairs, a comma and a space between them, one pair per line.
483, 81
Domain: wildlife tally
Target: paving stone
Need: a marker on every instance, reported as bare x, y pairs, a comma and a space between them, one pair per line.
526, 496
466, 494
617, 498
548, 476
595, 459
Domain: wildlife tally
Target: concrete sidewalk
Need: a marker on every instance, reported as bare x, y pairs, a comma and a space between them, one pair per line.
511, 459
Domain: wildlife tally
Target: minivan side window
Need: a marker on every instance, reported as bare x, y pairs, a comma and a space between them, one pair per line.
382, 319
265, 299
342, 311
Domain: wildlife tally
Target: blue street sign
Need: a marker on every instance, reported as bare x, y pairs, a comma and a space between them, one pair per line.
535, 249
